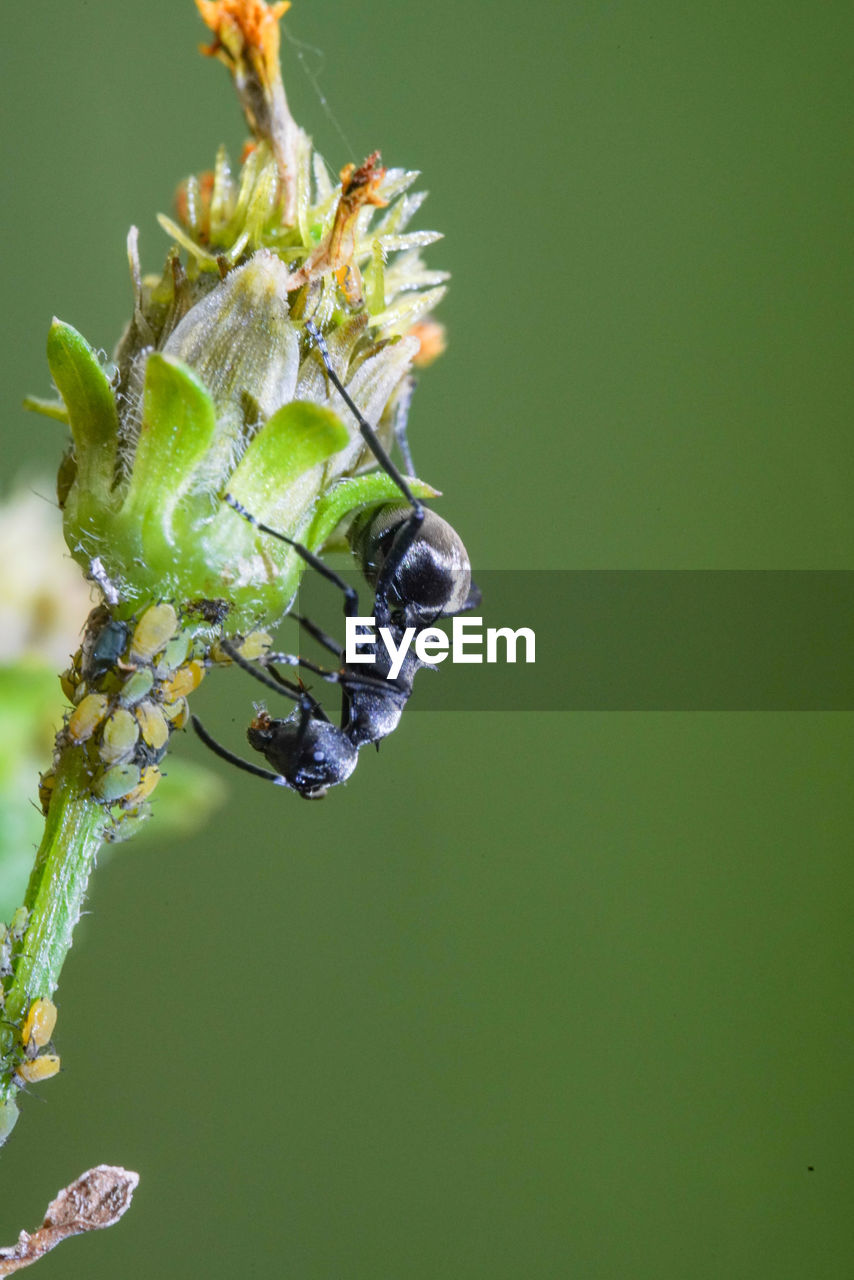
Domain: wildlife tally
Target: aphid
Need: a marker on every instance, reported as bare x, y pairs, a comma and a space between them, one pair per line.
47, 786
153, 632
420, 571
148, 780
136, 687
38, 1026
152, 724
86, 717
11, 935
115, 782
103, 644
183, 681
119, 736
174, 654
40, 1068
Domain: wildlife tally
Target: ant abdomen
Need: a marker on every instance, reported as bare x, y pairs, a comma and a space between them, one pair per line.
432, 577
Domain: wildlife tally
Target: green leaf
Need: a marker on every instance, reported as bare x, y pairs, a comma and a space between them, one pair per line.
47, 408
178, 428
91, 406
298, 437
354, 494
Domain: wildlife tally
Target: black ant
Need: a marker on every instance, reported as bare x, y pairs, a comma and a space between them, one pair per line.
420, 571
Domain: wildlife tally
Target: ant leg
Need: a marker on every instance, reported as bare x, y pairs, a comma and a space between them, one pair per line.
286, 687
348, 679
294, 660
279, 685
408, 533
229, 756
351, 599
320, 636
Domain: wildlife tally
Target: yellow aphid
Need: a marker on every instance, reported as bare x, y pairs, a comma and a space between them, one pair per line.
86, 717
119, 737
47, 783
255, 645
218, 655
37, 1069
149, 779
39, 1023
182, 719
153, 632
177, 712
155, 730
184, 681
250, 648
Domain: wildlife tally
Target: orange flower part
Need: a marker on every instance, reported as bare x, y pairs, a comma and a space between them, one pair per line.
243, 25
246, 39
432, 339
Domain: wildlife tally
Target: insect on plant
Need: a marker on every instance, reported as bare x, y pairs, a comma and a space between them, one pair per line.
286, 300
420, 571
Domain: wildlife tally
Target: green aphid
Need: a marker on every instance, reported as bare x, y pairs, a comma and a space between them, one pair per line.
137, 687
119, 736
115, 782
127, 825
153, 632
8, 1119
18, 924
174, 654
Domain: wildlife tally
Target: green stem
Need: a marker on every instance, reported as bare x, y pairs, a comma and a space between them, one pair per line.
73, 834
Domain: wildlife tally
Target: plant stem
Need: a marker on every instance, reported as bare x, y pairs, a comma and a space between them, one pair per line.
73, 834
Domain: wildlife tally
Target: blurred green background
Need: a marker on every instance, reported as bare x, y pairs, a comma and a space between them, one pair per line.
538, 995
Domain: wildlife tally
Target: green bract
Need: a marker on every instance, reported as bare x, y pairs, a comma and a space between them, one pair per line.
228, 404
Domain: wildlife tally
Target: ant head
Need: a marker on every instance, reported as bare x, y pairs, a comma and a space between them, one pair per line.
308, 752
434, 575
